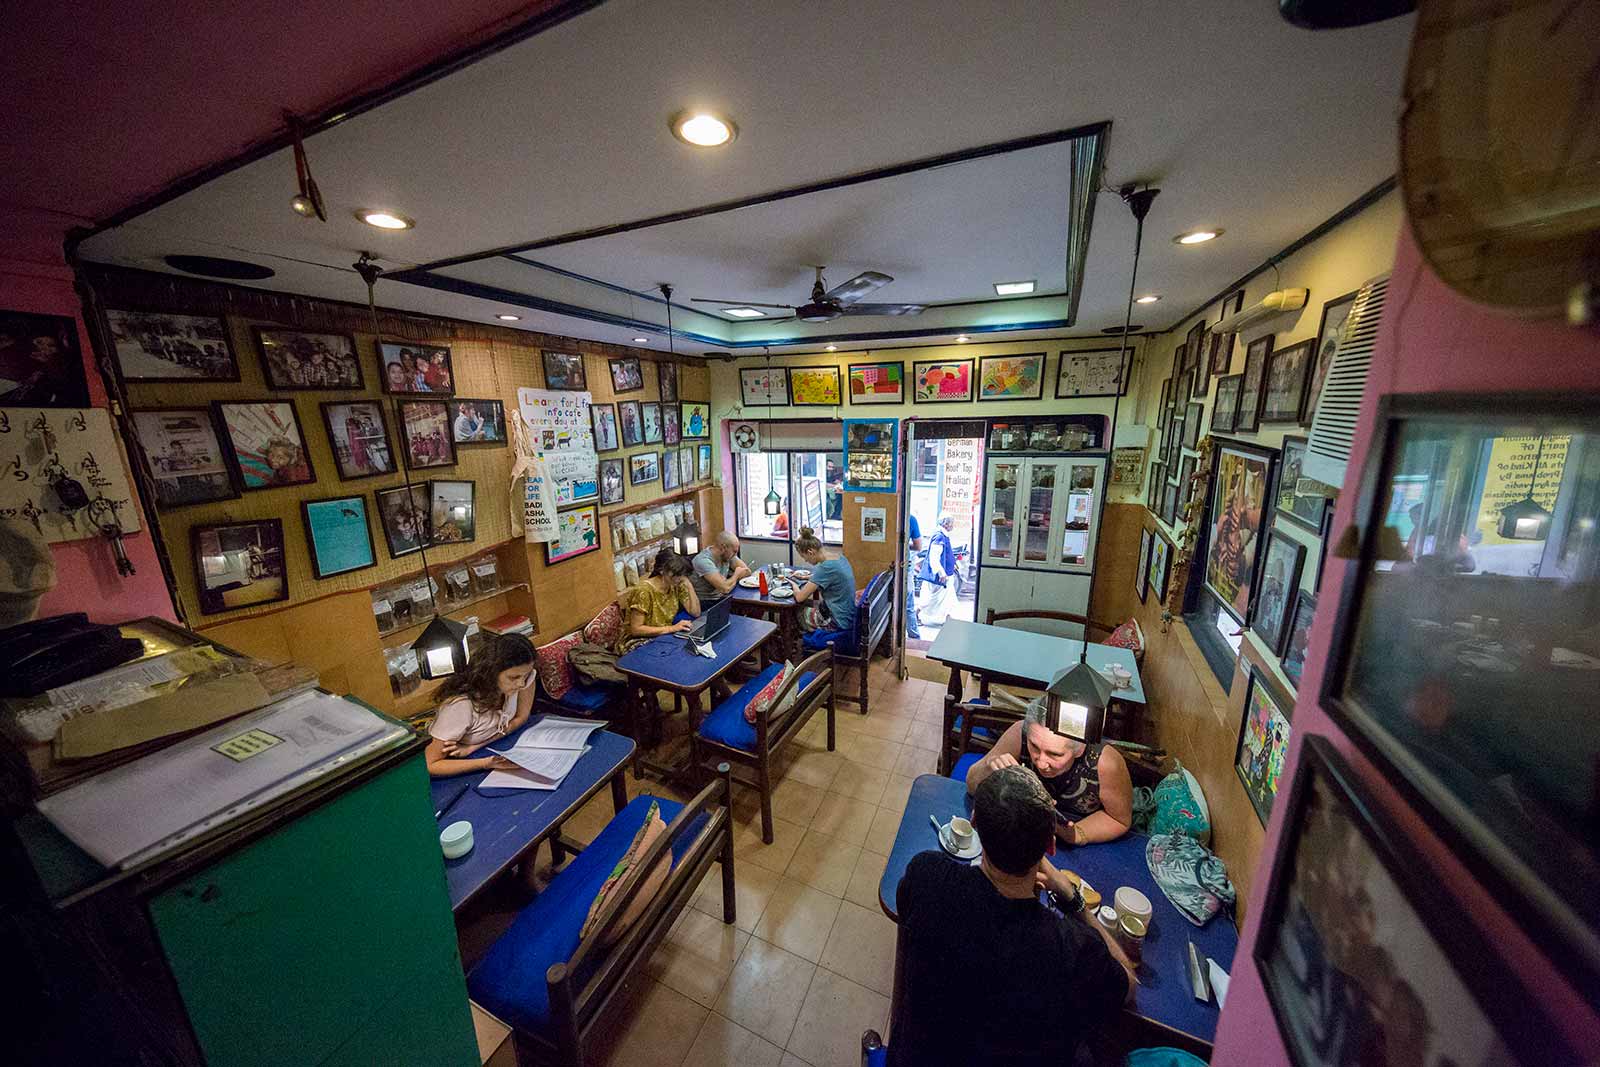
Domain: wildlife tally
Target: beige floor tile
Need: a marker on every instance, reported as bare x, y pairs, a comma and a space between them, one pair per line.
870, 751
885, 825
860, 782
823, 862
791, 1060
836, 1011
753, 886
724, 1043
798, 919
795, 801
765, 992
861, 947
815, 768
864, 879
697, 955
842, 817
923, 735
930, 714
657, 1026
748, 848
888, 727
896, 791
917, 761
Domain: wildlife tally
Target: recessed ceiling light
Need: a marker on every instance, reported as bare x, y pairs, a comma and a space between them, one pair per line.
961, 339
833, 348
1197, 237
703, 129
1013, 288
1148, 298
509, 318
742, 313
384, 220
641, 340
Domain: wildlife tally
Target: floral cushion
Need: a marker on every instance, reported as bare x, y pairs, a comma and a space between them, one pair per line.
605, 628
1129, 635
626, 872
762, 701
550, 663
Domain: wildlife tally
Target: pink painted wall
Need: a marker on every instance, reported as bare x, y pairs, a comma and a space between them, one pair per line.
1431, 341
86, 576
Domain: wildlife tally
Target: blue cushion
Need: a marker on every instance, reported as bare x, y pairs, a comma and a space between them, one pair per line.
843, 642
977, 731
510, 981
586, 699
726, 726
964, 764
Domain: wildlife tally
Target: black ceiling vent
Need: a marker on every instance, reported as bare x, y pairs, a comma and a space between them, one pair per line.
217, 267
1135, 328
1341, 14
726, 357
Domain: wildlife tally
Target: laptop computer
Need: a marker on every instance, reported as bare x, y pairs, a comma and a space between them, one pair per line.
711, 622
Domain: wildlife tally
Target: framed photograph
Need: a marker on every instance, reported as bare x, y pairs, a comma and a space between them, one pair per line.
702, 463
1191, 426
644, 467
477, 422
877, 383
941, 381
1180, 363
1225, 410
1169, 504
1334, 314
1186, 481
1263, 742
1254, 385
578, 533
1164, 409
425, 432
1461, 652
296, 359
1365, 958
1235, 525
154, 346
411, 367
669, 470
1180, 390
627, 376
403, 516
611, 487
1160, 565
1294, 649
359, 437
667, 375
871, 455
650, 422
604, 419
1019, 377
564, 370
452, 514
1231, 304
1141, 574
696, 420
1280, 581
1093, 372
1300, 499
1221, 359
814, 387
763, 385
1199, 350
185, 456
239, 565
1325, 532
1158, 478
1287, 371
41, 365
685, 466
266, 445
1174, 443
337, 534
671, 429
632, 423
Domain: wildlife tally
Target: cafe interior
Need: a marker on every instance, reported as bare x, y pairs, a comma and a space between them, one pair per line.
1010, 533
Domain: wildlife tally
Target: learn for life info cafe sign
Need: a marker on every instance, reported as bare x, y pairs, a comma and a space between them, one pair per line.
564, 468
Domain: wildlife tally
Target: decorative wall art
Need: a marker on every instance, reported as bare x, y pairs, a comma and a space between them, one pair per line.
1225, 410
703, 462
814, 386
577, 533
185, 456
1254, 385
650, 422
477, 422
941, 381
410, 367
158, 347
561, 432
1221, 359
1169, 503
669, 470
1294, 649
1198, 349
604, 419
763, 386
239, 565
452, 512
359, 436
611, 487
870, 455
1141, 574
644, 467
62, 471
564, 371
297, 359
685, 465
338, 536
1287, 374
696, 420
874, 524
403, 515
1334, 314
1164, 409
1160, 566
626, 375
1158, 478
667, 375
1280, 581
1235, 525
1186, 481
877, 383
1096, 372
41, 365
1018, 377
1301, 499
671, 429
632, 424
1263, 743
425, 431
268, 446
1191, 426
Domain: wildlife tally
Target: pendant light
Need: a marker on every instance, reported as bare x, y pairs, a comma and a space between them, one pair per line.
441, 648
1526, 520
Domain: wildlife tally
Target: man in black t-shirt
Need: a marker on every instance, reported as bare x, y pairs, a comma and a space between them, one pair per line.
990, 975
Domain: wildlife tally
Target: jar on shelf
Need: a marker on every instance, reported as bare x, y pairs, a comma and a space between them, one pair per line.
383, 611
403, 604
457, 583
486, 574
405, 671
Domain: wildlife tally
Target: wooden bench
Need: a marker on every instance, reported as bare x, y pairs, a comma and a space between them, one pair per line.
855, 647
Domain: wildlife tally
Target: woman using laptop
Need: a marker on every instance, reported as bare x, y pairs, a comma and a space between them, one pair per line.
652, 607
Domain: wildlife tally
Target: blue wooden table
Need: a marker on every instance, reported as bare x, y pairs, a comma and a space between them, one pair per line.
1164, 998
509, 824
781, 610
666, 662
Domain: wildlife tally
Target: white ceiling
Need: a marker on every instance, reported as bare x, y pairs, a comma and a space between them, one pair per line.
1244, 122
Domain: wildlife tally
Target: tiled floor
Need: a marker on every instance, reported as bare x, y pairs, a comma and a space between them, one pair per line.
809, 963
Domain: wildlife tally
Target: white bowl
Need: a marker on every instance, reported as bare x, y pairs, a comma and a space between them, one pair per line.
456, 839
1129, 901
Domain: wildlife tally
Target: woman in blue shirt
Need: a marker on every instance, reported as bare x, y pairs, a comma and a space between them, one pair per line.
831, 578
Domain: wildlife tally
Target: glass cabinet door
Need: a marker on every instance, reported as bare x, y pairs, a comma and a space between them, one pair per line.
1000, 541
1042, 479
1081, 513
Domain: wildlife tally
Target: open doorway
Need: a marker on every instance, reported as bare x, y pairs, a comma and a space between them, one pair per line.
943, 488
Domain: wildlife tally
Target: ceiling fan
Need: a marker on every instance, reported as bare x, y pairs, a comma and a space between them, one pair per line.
828, 304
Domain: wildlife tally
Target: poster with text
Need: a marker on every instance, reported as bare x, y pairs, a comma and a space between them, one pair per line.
561, 432
63, 472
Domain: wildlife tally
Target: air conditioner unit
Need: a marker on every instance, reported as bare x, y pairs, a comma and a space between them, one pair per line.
1280, 302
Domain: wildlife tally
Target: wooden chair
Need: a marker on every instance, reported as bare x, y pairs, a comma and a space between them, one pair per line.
1118, 715
855, 647
551, 994
724, 735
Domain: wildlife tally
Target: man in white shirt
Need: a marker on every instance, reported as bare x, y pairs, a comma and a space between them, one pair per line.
718, 568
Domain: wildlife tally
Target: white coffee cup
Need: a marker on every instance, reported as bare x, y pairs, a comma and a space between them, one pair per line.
960, 832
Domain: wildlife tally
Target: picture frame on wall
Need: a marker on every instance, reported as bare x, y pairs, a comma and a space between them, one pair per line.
1186, 480
644, 467
764, 386
1191, 426
564, 371
877, 383
702, 462
1352, 921
1303, 507
1280, 581
1160, 565
239, 564
476, 421
358, 434
1221, 356
1011, 377
1235, 524
1253, 385
650, 422
696, 420
577, 534
603, 419
1200, 359
1225, 409
1179, 365
403, 515
685, 466
338, 536
1169, 504
671, 429
1263, 742
1288, 371
1164, 410
612, 489
1325, 534
301, 359
1093, 372
941, 381
669, 470
814, 387
266, 444
632, 423
1334, 314
667, 377
871, 455
627, 376
413, 368
1141, 572
425, 435
185, 455
1158, 478
452, 511
1299, 640
158, 346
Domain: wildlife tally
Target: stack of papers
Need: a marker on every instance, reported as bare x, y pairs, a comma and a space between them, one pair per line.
544, 754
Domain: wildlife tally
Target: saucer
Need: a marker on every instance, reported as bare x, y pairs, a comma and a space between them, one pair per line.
972, 851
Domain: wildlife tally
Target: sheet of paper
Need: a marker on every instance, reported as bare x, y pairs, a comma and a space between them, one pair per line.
1219, 981
515, 780
549, 763
557, 732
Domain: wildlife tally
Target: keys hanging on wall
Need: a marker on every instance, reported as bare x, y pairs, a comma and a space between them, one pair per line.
103, 513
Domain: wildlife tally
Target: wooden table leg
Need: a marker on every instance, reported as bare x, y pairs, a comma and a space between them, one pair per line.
633, 699
619, 788
952, 697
